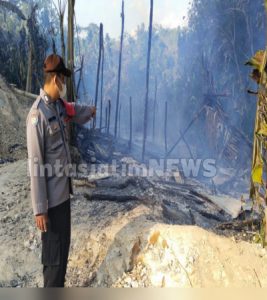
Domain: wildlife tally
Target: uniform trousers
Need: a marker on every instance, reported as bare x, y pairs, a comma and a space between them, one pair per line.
56, 244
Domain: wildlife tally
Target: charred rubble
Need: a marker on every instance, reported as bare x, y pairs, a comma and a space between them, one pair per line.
173, 200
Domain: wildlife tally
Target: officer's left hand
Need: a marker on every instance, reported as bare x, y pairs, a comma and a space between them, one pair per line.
41, 221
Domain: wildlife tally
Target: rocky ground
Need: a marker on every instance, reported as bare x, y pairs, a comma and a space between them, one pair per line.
13, 112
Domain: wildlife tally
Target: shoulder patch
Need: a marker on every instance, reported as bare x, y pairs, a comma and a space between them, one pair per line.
34, 117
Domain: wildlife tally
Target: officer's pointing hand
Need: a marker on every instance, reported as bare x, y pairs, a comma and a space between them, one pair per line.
41, 222
93, 111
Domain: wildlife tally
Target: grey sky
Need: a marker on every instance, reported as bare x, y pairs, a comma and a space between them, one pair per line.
168, 13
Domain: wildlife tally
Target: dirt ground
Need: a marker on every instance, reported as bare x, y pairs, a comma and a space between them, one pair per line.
120, 245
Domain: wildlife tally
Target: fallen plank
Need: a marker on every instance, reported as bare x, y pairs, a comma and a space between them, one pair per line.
239, 225
107, 197
24, 93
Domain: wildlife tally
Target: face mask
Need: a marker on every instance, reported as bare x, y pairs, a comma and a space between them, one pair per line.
62, 93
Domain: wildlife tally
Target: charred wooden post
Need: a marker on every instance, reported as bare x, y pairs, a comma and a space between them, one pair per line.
119, 70
80, 76
131, 124
98, 67
154, 108
102, 80
109, 111
120, 121
147, 78
165, 126
106, 119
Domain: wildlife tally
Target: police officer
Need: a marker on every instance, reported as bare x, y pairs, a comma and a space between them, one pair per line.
50, 165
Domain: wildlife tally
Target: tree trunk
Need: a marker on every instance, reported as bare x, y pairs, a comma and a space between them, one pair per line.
29, 70
147, 78
98, 67
70, 63
14, 9
54, 46
63, 50
119, 71
71, 97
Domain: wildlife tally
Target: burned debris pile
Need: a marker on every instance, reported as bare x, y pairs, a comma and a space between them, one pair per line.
93, 145
171, 201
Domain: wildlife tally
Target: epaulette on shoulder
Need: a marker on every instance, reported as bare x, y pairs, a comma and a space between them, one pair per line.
34, 111
36, 102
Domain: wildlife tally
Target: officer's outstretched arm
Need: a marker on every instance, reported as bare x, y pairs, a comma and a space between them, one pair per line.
79, 113
83, 113
35, 146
